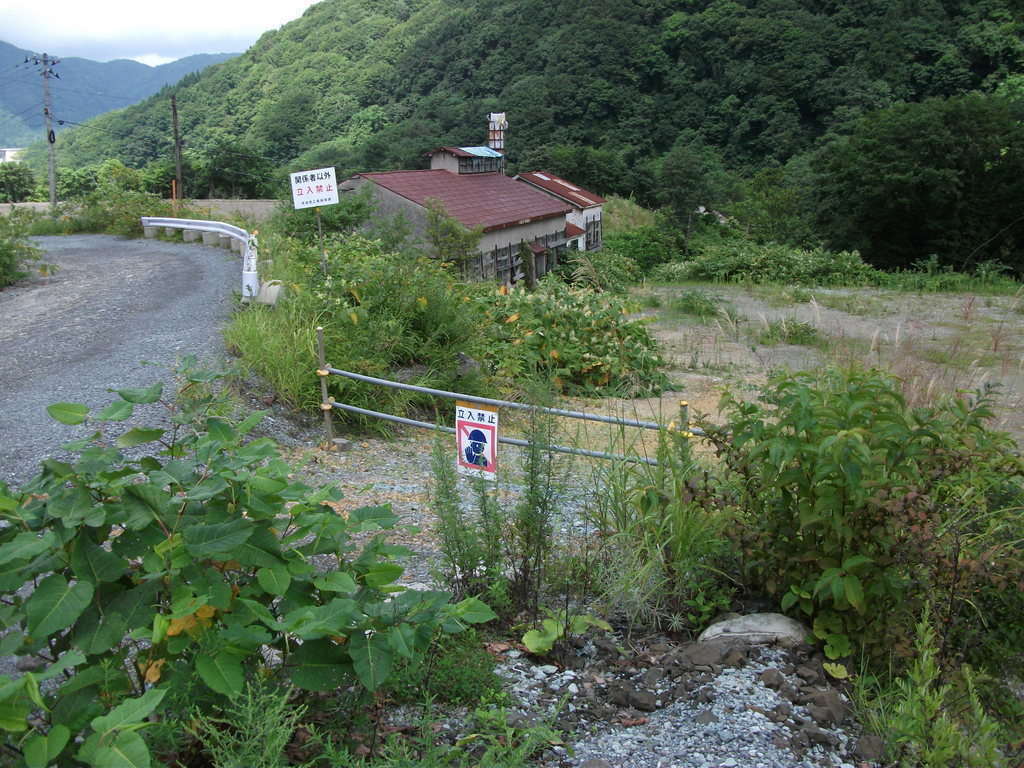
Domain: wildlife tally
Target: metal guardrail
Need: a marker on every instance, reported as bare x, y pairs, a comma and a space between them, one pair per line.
250, 275
328, 404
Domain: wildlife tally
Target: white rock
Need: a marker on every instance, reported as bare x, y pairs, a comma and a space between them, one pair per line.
757, 628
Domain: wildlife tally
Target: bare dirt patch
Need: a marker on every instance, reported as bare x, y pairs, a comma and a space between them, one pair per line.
937, 344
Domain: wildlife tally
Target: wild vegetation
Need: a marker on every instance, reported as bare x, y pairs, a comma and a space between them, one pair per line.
861, 483
883, 513
885, 127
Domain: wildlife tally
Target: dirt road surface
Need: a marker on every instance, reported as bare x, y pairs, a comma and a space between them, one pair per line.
114, 305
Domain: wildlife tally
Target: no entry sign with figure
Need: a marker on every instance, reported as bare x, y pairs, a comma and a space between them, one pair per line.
476, 436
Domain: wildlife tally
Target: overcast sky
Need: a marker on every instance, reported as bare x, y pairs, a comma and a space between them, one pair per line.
153, 33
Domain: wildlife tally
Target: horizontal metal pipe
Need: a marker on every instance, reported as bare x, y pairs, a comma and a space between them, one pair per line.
199, 225
500, 403
507, 440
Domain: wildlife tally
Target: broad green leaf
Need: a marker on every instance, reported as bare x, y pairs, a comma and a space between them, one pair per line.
319, 665
250, 421
103, 635
119, 410
260, 549
541, 641
129, 711
40, 750
76, 446
127, 750
220, 430
68, 413
222, 672
336, 581
854, 591
275, 579
55, 605
403, 639
371, 658
205, 541
207, 489
139, 436
381, 574
26, 545
139, 396
472, 610
144, 504
14, 713
70, 658
367, 518
91, 562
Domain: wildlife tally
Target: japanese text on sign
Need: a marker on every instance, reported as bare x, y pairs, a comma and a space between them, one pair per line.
476, 437
314, 188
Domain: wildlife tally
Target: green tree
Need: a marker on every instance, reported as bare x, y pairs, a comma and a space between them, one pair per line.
448, 239
690, 176
233, 170
942, 177
16, 182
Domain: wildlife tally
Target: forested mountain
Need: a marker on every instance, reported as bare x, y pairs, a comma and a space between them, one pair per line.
84, 89
673, 101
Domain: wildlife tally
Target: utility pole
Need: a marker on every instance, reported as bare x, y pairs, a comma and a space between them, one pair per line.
51, 138
177, 146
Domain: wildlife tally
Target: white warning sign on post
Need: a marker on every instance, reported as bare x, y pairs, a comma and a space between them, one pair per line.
311, 189
476, 436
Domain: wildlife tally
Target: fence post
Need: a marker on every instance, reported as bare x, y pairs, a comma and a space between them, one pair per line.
684, 417
322, 372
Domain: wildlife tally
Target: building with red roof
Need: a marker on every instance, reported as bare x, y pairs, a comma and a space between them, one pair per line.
515, 218
586, 206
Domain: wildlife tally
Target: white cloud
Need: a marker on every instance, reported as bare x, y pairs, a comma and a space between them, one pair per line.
111, 29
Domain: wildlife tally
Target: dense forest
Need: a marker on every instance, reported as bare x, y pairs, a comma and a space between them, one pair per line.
890, 126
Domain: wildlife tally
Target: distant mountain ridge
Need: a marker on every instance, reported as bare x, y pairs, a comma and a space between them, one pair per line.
85, 88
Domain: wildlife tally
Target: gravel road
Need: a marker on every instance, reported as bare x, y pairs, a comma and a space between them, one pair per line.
114, 305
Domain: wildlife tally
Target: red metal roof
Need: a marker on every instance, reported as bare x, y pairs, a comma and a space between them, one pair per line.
562, 188
487, 200
571, 230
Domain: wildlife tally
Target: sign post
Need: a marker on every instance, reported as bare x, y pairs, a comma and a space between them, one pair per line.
476, 437
312, 189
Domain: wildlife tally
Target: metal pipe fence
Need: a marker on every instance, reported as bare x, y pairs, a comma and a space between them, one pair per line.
328, 404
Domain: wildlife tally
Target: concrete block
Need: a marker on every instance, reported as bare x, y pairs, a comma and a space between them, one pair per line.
225, 241
150, 231
170, 231
191, 235
211, 238
236, 245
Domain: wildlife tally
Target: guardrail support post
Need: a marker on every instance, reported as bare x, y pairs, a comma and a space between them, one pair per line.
325, 404
684, 417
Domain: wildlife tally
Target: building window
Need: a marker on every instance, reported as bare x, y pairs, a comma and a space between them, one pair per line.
479, 164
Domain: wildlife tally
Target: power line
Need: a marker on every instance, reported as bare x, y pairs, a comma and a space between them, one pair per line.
62, 89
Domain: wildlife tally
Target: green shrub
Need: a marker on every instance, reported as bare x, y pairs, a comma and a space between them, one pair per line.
603, 270
16, 250
854, 510
742, 260
934, 719
196, 559
351, 211
664, 547
501, 549
579, 341
697, 303
786, 331
457, 669
647, 246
